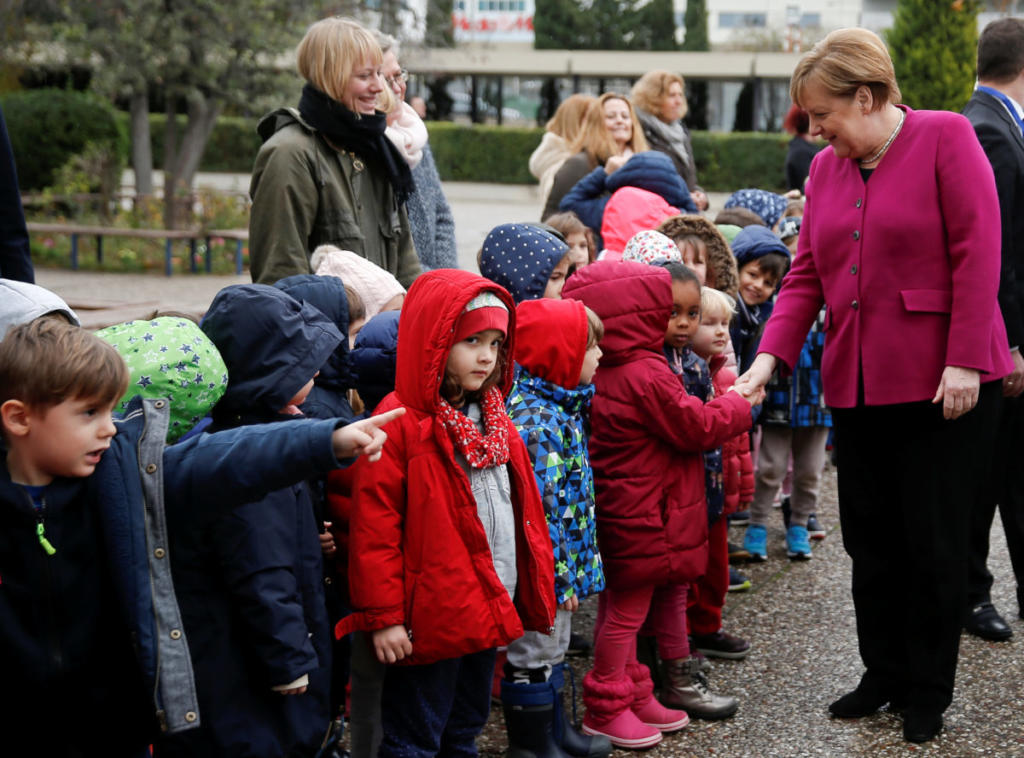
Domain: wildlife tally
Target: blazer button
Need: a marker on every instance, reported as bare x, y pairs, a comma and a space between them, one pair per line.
853, 269
855, 305
859, 202
856, 234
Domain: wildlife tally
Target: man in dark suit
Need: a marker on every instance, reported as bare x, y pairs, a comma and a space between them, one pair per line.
15, 260
995, 110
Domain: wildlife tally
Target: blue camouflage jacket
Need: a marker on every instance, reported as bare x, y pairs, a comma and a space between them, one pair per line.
550, 420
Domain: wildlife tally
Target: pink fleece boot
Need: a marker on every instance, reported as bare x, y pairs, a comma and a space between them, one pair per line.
647, 708
609, 715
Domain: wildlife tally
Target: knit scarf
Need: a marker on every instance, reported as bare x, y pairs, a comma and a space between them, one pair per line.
479, 450
361, 134
672, 134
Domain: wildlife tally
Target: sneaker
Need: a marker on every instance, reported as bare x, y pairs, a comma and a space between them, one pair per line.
654, 714
798, 544
720, 645
814, 528
755, 542
738, 582
625, 730
739, 518
737, 554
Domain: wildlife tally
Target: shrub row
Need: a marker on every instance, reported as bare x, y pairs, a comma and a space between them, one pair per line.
725, 162
70, 120
48, 127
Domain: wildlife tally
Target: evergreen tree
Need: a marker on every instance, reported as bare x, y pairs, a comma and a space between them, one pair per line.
659, 18
933, 44
557, 25
696, 25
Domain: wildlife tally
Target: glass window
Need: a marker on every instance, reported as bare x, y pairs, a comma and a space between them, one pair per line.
810, 20
742, 20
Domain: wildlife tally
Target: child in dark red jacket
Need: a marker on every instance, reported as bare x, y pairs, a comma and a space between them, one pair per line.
450, 554
646, 443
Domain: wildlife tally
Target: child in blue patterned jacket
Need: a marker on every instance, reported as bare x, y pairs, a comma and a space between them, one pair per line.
557, 355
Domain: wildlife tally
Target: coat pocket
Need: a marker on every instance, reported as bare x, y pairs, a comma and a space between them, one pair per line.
339, 227
927, 301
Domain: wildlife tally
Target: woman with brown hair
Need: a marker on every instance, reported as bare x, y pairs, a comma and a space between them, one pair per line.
660, 102
609, 135
555, 146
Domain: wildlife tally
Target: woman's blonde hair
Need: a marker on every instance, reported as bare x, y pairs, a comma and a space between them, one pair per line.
650, 91
330, 52
568, 118
594, 136
844, 61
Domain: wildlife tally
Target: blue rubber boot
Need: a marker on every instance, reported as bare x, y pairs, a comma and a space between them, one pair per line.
571, 741
530, 717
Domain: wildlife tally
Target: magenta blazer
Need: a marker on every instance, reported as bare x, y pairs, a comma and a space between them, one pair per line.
906, 264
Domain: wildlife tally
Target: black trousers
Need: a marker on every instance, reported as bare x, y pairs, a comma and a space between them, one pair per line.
1005, 489
907, 478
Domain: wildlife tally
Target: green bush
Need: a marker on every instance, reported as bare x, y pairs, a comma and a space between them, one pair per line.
725, 162
728, 162
483, 153
48, 127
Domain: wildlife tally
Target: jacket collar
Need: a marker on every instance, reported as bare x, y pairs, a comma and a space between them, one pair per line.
572, 401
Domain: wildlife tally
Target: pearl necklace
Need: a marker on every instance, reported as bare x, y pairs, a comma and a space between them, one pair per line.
880, 153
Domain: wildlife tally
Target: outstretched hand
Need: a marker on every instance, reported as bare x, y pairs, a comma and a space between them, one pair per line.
958, 391
364, 437
752, 382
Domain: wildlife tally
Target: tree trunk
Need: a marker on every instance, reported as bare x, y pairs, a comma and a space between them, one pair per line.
202, 117
142, 150
170, 160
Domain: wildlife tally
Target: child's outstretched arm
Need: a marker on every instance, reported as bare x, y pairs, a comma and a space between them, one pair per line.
685, 422
242, 465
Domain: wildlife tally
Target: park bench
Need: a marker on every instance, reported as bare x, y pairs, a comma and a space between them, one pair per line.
170, 236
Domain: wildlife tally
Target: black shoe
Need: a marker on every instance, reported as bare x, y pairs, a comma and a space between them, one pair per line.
738, 554
579, 645
857, 704
984, 621
921, 726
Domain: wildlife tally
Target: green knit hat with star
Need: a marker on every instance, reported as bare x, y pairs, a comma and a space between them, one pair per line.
170, 357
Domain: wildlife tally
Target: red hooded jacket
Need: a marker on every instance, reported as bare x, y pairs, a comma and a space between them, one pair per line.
418, 552
647, 433
737, 465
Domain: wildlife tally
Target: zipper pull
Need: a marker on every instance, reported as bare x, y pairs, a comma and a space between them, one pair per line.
41, 534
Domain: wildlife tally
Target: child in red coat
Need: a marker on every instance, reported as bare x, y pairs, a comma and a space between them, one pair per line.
705, 612
449, 548
646, 443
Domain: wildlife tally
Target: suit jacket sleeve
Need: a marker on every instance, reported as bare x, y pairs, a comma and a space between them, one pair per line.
999, 149
15, 258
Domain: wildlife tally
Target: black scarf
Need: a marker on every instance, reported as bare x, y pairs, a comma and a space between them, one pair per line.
358, 133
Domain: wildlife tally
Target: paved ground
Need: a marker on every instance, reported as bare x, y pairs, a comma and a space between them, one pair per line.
798, 616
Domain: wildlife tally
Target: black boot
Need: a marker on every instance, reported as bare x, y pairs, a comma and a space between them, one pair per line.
530, 716
572, 742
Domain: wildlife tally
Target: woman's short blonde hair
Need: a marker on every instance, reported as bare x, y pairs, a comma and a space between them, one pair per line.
330, 52
650, 91
594, 137
568, 118
844, 61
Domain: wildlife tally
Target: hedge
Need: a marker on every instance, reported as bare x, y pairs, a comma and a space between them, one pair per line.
725, 162
49, 126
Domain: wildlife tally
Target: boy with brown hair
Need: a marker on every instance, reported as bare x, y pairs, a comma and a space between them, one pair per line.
90, 631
